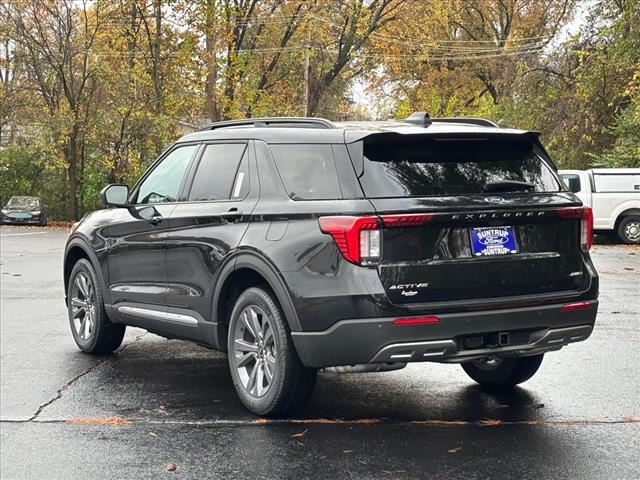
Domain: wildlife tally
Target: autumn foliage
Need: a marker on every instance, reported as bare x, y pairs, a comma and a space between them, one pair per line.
92, 91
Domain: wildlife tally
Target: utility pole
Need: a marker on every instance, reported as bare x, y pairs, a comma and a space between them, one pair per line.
306, 75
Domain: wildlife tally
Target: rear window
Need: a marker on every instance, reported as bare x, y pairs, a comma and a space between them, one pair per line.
307, 171
411, 167
24, 202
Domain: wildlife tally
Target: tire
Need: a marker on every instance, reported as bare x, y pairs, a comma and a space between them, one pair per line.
629, 230
92, 330
503, 372
270, 352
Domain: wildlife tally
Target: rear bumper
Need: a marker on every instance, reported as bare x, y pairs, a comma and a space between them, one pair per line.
534, 330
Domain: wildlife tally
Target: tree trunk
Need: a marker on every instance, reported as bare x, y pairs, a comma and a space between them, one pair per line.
211, 104
72, 172
157, 74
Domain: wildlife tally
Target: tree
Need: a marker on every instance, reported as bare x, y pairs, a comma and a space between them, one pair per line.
55, 39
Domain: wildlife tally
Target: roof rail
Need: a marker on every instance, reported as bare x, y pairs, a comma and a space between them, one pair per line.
283, 122
483, 122
421, 119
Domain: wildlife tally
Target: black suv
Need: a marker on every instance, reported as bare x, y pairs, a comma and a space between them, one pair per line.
296, 244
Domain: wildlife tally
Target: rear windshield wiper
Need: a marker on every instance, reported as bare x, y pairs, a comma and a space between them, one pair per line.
508, 186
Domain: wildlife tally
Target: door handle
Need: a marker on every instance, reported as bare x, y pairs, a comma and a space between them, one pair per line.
231, 215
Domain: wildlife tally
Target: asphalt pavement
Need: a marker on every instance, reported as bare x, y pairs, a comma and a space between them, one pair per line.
164, 408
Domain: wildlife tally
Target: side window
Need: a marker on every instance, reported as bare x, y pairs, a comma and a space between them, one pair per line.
308, 171
163, 183
214, 178
241, 182
572, 181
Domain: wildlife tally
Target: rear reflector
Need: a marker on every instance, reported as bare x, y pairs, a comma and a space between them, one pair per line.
416, 320
575, 306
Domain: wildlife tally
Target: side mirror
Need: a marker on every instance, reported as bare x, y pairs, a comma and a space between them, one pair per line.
115, 195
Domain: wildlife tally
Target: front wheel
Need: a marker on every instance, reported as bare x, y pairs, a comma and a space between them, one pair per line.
629, 230
495, 372
91, 328
267, 374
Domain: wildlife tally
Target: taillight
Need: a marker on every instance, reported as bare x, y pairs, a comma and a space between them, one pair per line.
359, 239
586, 232
408, 220
354, 237
585, 214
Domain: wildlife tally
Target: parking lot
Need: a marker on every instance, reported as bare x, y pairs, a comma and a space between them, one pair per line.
161, 408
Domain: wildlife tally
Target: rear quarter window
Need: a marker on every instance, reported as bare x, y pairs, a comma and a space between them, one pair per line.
422, 166
308, 172
617, 183
218, 176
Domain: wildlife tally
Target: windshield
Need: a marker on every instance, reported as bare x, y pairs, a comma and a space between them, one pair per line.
422, 166
24, 202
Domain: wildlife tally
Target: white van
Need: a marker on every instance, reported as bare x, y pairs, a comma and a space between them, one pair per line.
614, 196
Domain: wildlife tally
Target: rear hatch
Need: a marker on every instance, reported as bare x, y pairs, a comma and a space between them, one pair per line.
471, 218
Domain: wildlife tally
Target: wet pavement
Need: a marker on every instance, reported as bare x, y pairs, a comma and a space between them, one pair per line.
158, 402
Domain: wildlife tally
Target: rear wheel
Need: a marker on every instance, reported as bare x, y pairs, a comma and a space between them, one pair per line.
91, 328
497, 372
629, 229
267, 374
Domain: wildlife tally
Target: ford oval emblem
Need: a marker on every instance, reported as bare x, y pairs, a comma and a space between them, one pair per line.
493, 236
494, 199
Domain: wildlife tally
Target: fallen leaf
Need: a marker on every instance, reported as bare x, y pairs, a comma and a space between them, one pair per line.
153, 434
615, 313
98, 421
171, 467
537, 406
490, 422
455, 450
298, 435
629, 268
321, 421
440, 422
347, 451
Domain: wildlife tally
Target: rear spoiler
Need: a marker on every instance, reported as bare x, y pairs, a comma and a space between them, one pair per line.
351, 136
355, 139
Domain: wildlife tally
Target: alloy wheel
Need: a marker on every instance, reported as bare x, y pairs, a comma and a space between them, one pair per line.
83, 306
254, 351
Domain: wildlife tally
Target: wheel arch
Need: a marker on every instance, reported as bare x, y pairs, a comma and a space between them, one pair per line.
77, 249
248, 270
629, 212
